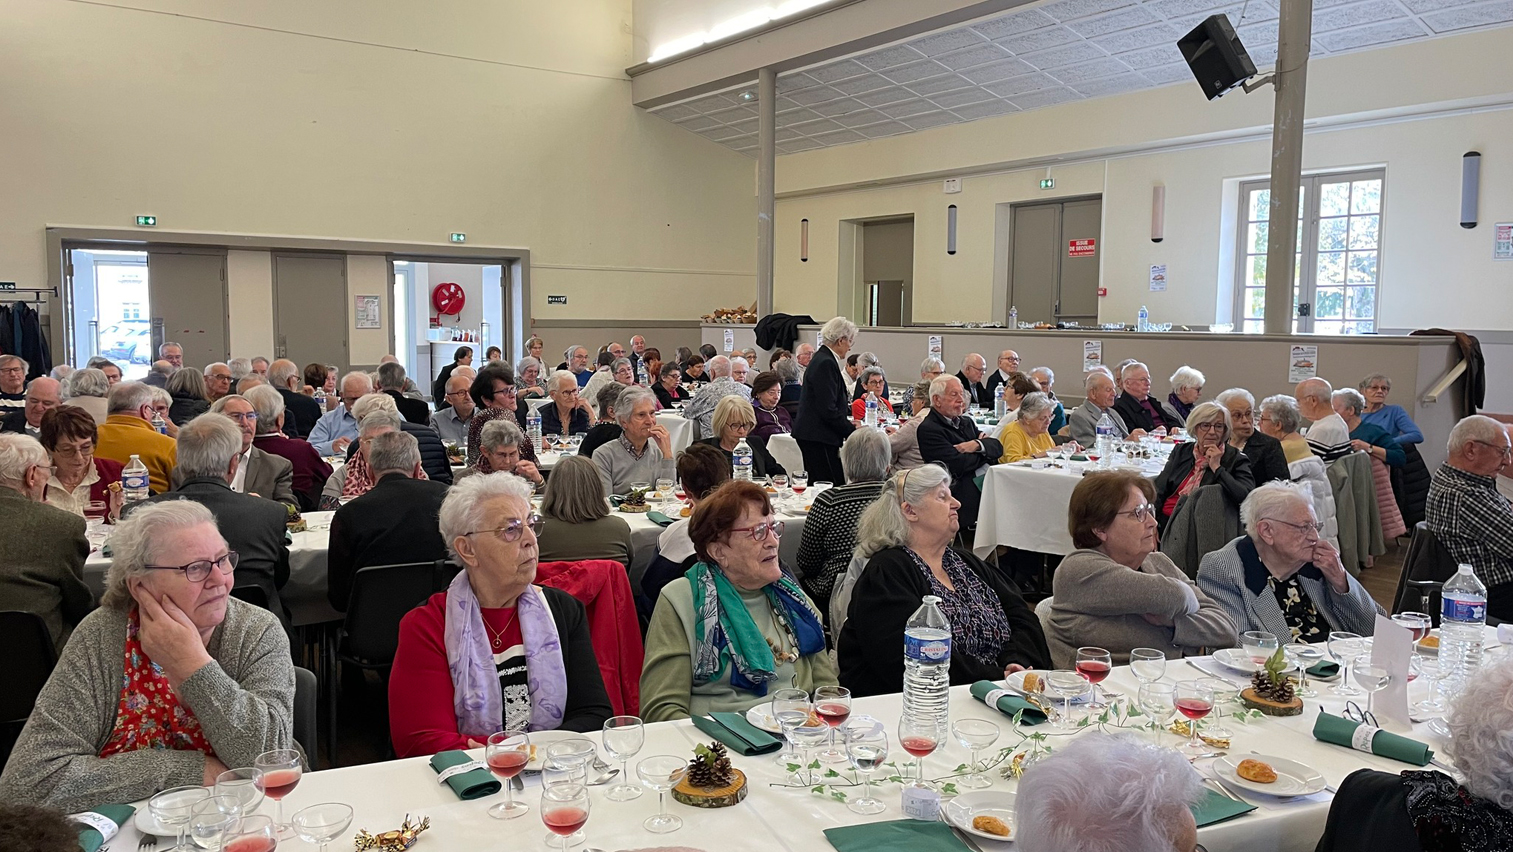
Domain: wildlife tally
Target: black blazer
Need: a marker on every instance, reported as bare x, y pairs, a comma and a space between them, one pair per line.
762, 462
937, 443
1234, 476
884, 597
1267, 460
1370, 814
253, 526
439, 386
992, 381
395, 522
824, 406
305, 411
413, 410
976, 394
1136, 417
14, 421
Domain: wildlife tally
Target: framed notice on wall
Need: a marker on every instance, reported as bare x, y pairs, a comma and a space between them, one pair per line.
368, 313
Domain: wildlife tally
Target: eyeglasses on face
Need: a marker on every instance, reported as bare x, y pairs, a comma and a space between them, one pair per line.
760, 531
249, 417
1140, 512
514, 527
462, 392
197, 571
1211, 426
1507, 451
1302, 528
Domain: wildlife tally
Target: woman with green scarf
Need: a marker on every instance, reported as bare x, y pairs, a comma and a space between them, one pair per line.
738, 626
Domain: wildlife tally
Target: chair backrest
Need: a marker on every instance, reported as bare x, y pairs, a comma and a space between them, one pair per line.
30, 661
1426, 566
306, 698
251, 594
381, 595
1043, 612
840, 595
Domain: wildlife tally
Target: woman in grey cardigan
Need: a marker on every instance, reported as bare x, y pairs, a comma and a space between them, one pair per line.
168, 684
1116, 592
1281, 577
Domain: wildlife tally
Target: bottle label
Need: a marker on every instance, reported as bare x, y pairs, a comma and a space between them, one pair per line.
1463, 610
927, 650
132, 481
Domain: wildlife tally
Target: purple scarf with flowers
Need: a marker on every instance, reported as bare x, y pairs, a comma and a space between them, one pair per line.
476, 697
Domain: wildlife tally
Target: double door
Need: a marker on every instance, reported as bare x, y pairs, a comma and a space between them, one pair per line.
1053, 260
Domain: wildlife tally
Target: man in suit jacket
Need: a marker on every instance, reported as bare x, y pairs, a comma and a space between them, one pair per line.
950, 437
1008, 364
396, 522
300, 412
259, 473
1136, 406
1268, 461
1082, 422
43, 549
391, 380
254, 527
824, 420
42, 396
973, 368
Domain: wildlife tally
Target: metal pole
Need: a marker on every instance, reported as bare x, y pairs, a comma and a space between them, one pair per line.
767, 103
1293, 33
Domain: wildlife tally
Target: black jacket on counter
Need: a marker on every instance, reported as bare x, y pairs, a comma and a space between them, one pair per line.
1234, 476
394, 523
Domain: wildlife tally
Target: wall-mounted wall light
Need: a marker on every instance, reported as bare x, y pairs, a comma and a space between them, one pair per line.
804, 240
951, 229
1470, 177
1158, 213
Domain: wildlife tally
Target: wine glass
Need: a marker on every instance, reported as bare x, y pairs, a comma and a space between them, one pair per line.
798, 480
174, 807
1148, 664
1429, 669
1258, 645
1157, 700
1223, 692
1372, 678
1304, 655
810, 733
323, 823
281, 770
623, 738
211, 819
1194, 701
975, 734
1418, 622
1066, 685
662, 773
507, 753
790, 707
867, 748
564, 809
1343, 649
664, 490
780, 484
1094, 664
833, 705
253, 834
920, 738
242, 785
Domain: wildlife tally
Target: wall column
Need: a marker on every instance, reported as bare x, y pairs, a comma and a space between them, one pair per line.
1291, 80
767, 98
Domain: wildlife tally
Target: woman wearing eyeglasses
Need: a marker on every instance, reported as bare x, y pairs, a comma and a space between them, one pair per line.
1116, 591
1281, 577
737, 626
1207, 459
170, 682
494, 652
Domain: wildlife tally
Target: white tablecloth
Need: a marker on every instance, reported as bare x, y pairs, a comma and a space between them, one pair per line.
1026, 509
679, 430
779, 818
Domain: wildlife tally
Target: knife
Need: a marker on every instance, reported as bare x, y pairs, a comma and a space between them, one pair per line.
1220, 675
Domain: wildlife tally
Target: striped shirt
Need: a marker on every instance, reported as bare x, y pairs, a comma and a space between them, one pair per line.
1473, 521
1329, 438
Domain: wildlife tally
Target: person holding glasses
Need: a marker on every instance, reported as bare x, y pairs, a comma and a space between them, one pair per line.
737, 626
1208, 459
1281, 577
494, 652
170, 682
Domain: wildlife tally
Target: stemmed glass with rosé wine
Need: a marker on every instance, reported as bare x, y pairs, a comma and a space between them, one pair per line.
920, 738
1193, 701
281, 770
564, 809
833, 705
507, 753
1094, 664
253, 834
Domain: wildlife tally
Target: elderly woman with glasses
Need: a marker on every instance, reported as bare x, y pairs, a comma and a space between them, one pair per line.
1029, 435
1116, 591
493, 392
1391, 418
501, 442
669, 388
734, 418
906, 535
494, 652
567, 413
1187, 386
872, 385
577, 520
168, 684
738, 626
1208, 459
79, 478
1281, 577
528, 378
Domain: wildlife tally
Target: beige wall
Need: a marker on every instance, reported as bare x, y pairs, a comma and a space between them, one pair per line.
1433, 272
368, 274
509, 120
249, 297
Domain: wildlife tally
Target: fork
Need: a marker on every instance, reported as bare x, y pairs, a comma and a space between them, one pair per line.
147, 843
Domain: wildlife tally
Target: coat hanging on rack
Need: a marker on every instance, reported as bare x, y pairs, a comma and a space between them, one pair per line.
21, 334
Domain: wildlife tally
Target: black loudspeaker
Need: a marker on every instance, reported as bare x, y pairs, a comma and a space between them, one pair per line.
1216, 56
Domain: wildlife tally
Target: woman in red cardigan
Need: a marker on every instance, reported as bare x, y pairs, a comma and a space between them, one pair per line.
79, 477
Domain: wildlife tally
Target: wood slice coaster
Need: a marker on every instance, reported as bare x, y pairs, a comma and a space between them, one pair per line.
640, 507
712, 797
1250, 699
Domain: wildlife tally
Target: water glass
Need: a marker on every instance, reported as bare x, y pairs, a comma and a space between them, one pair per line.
790, 707
1066, 685
623, 738
1372, 678
211, 819
1193, 701
507, 753
1258, 645
1223, 692
662, 773
1158, 701
1429, 669
242, 785
1344, 647
564, 809
867, 749
1304, 655
174, 807
1148, 664
323, 823
281, 770
807, 735
976, 735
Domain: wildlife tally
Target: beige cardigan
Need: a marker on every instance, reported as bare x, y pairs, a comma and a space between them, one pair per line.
1099, 602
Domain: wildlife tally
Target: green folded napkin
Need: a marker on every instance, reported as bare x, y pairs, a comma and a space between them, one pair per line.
1324, 669
1341, 731
658, 518
474, 784
1008, 703
899, 835
1216, 807
741, 736
90, 836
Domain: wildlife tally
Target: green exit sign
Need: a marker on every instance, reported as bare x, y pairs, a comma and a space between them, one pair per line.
1047, 183
459, 238
147, 221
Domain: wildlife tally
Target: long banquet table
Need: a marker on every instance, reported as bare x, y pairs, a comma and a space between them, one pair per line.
793, 819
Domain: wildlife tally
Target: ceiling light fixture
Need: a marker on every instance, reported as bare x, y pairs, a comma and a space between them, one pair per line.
748, 95
741, 23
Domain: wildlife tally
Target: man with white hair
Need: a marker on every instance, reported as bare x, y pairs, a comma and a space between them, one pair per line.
824, 420
218, 380
643, 452
950, 438
12, 382
127, 431
1328, 437
260, 367
258, 472
1098, 387
42, 396
1267, 458
1136, 406
1106, 793
928, 370
1468, 515
803, 354
410, 389
456, 413
701, 409
973, 368
337, 428
575, 361
740, 369
173, 353
301, 412
1008, 364
391, 381
308, 471
43, 550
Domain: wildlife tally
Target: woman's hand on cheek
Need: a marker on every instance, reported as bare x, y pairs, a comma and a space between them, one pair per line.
169, 637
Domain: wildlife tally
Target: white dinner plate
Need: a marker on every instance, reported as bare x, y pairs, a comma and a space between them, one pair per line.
1293, 778
542, 739
761, 716
146, 823
1015, 683
1237, 659
961, 810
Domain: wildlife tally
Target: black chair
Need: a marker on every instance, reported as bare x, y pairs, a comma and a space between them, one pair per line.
306, 702
31, 655
1426, 567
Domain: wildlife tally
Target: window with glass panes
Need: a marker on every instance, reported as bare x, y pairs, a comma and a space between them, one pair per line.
1339, 246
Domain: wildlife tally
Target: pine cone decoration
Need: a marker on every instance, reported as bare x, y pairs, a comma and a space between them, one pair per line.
710, 766
1269, 682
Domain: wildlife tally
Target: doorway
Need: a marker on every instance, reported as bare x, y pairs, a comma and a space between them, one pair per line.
1053, 260
310, 308
425, 339
888, 271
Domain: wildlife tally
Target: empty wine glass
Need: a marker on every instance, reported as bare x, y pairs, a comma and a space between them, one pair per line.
807, 735
975, 734
623, 738
211, 819
507, 753
1258, 645
833, 705
867, 748
281, 770
1429, 669
174, 807
1372, 678
1148, 664
564, 809
920, 738
1157, 700
1343, 649
1223, 692
1066, 685
242, 785
322, 823
253, 834
790, 707
662, 773
1194, 701
1094, 664
1304, 655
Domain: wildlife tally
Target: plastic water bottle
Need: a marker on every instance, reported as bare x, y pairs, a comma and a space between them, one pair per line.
927, 663
1143, 320
159, 424
533, 426
1462, 623
1013, 316
741, 459
320, 396
871, 416
134, 480
998, 404
1104, 443
641, 377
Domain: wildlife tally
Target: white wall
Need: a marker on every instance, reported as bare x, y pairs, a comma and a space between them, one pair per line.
249, 297
367, 275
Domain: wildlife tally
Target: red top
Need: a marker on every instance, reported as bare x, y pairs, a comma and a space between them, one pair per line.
109, 471
149, 714
1171, 502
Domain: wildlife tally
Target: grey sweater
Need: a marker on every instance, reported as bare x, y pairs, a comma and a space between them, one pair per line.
1098, 601
618, 468
244, 701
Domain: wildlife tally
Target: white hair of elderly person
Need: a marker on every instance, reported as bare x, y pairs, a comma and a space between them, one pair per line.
723, 383
643, 452
374, 418
216, 669
1108, 793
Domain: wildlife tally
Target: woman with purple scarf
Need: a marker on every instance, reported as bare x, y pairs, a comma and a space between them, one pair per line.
494, 652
